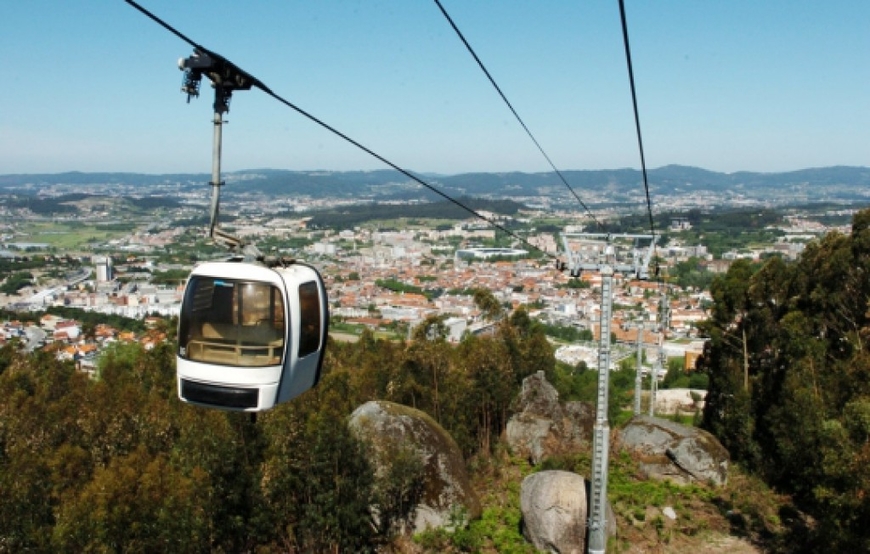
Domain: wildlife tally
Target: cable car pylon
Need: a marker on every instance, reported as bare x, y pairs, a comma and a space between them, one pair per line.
638, 378
599, 252
661, 358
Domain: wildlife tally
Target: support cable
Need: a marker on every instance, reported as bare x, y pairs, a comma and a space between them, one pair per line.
662, 285
407, 173
516, 115
163, 24
636, 113
259, 84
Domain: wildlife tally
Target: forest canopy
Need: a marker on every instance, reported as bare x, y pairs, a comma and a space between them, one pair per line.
118, 463
789, 378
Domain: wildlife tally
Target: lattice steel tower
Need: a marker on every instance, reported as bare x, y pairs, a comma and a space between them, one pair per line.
605, 254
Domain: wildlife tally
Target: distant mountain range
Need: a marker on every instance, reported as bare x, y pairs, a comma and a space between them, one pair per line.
841, 183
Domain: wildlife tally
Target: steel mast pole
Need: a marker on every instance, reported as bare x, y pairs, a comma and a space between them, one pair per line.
606, 264
661, 361
601, 432
638, 379
216, 183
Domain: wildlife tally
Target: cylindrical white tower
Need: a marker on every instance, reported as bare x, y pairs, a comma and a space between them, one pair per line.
104, 269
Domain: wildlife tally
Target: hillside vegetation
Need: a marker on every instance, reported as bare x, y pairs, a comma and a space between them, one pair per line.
789, 378
117, 463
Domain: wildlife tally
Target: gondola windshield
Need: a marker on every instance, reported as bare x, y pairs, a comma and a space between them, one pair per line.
234, 323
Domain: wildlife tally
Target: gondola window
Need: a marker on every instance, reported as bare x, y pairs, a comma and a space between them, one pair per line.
309, 305
233, 323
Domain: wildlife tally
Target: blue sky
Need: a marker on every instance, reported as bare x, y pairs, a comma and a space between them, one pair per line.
730, 85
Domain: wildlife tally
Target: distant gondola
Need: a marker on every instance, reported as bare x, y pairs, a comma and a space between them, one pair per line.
250, 336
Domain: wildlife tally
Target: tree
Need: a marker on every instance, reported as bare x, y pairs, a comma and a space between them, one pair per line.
431, 329
789, 378
487, 362
397, 492
528, 349
317, 481
690, 273
488, 305
139, 502
427, 362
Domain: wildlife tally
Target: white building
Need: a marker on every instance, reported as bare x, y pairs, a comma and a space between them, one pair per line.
456, 326
105, 272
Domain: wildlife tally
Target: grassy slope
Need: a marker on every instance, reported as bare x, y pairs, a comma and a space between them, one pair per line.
744, 516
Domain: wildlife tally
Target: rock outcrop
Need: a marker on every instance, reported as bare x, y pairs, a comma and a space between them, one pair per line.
543, 426
554, 507
668, 450
553, 504
390, 427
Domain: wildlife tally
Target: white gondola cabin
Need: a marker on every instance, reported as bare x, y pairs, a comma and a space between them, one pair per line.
250, 336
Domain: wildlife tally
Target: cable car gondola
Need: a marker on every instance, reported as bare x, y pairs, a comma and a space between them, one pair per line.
252, 331
250, 336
